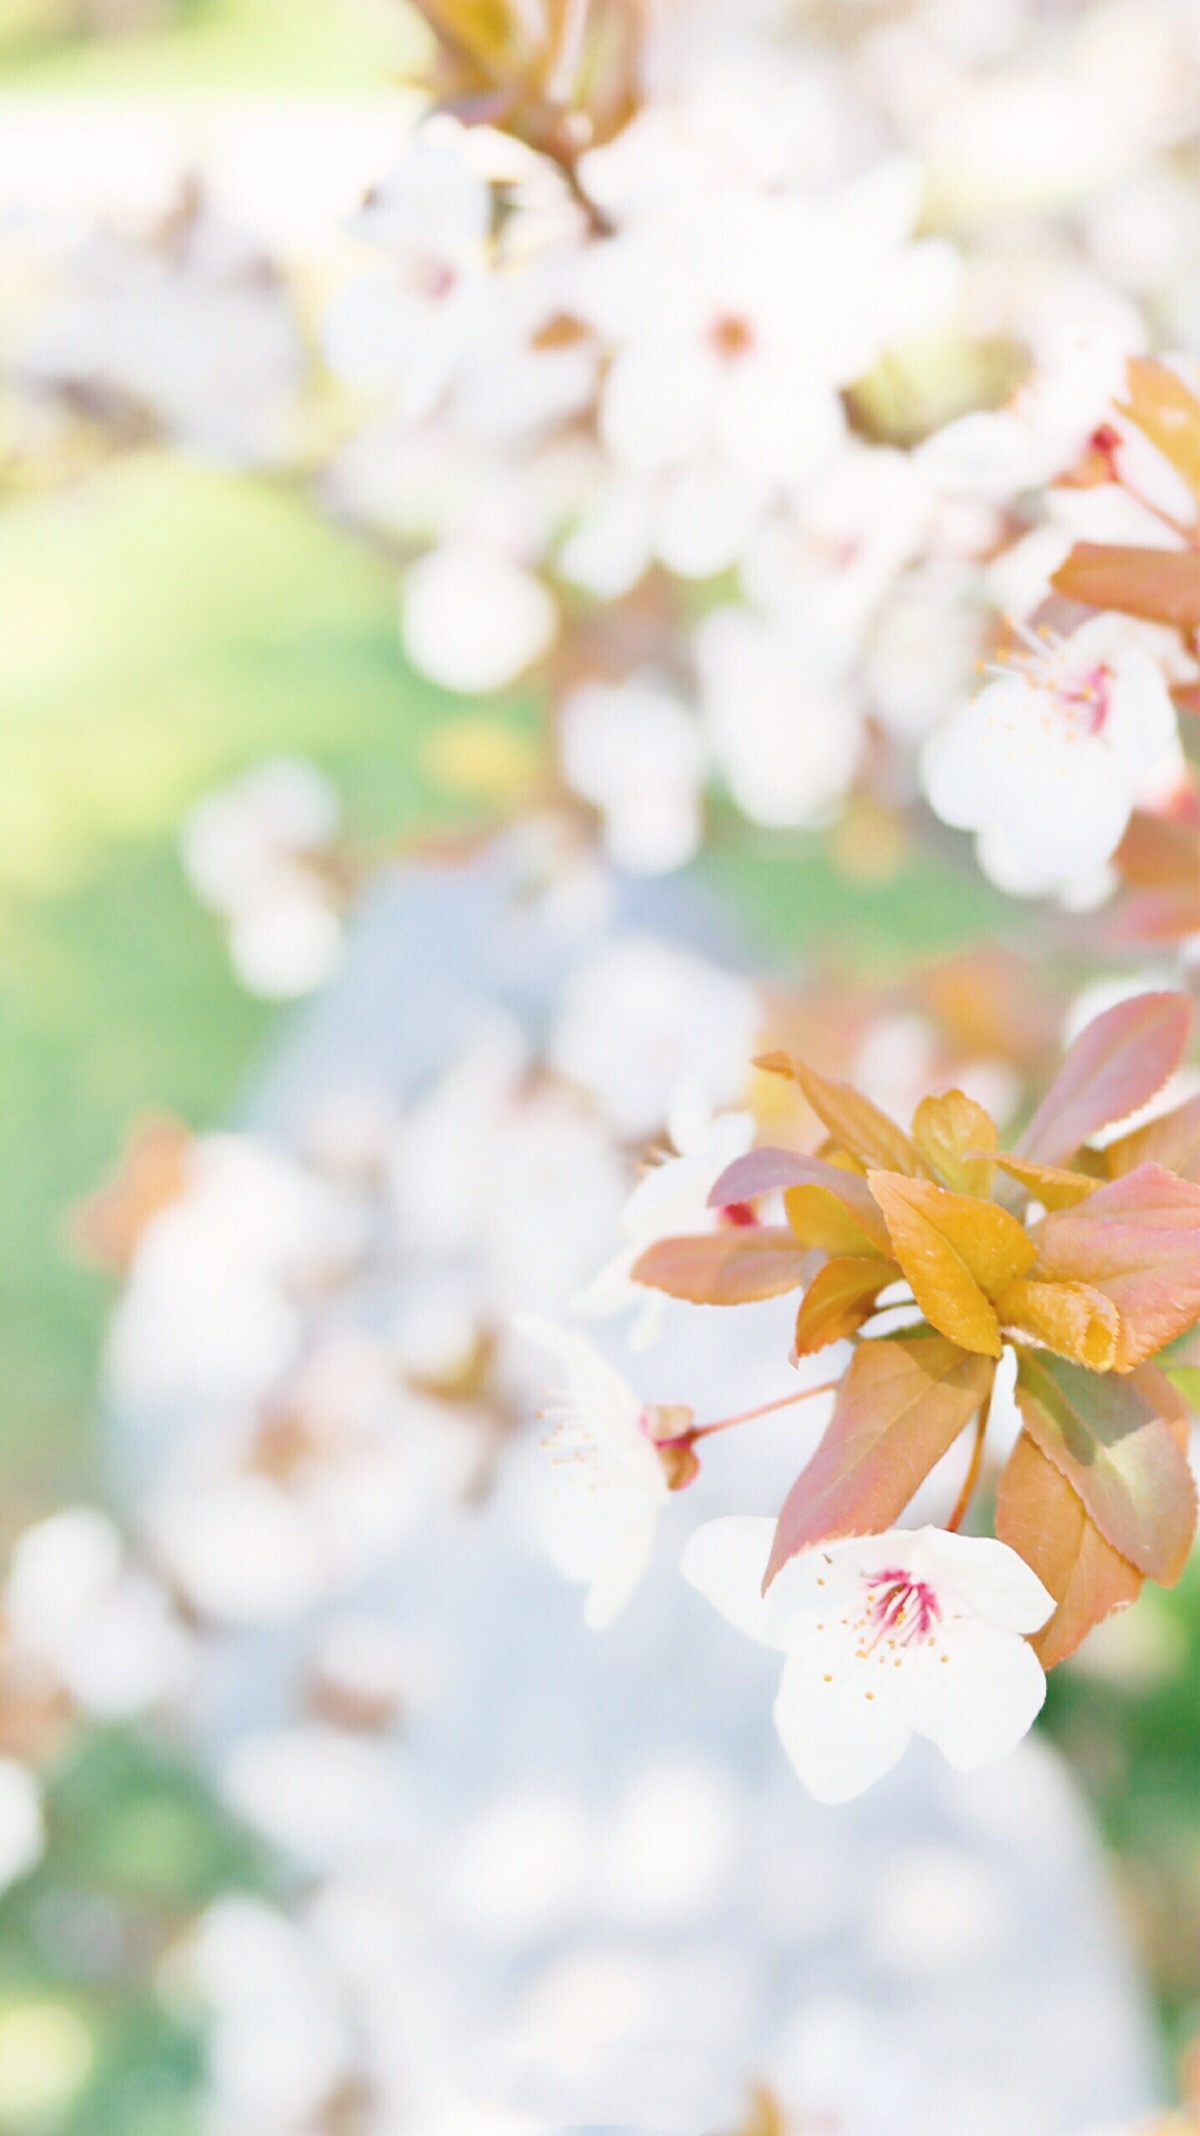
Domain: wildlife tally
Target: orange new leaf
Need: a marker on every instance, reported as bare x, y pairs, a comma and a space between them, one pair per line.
958, 1254
956, 1137
1161, 585
1054, 1188
838, 1300
1045, 1521
856, 1126
1072, 1319
1168, 413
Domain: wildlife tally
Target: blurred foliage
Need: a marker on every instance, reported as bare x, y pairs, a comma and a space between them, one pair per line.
1128, 1718
121, 47
135, 1844
167, 625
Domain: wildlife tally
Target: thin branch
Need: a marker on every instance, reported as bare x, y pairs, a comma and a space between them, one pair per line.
971, 1478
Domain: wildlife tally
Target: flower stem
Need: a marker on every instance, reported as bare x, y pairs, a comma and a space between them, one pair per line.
972, 1476
747, 1416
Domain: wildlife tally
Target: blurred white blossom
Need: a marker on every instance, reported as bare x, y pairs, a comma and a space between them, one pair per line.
1049, 761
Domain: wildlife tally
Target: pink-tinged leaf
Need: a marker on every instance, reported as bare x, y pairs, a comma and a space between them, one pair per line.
1173, 1140
838, 1300
1155, 916
900, 1406
726, 1267
1162, 585
1118, 1454
1040, 1517
764, 1171
1115, 1066
1137, 1240
1159, 853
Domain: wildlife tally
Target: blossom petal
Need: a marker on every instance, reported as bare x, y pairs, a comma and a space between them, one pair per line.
977, 1702
981, 1578
842, 1722
621, 1569
606, 1409
725, 1561
656, 405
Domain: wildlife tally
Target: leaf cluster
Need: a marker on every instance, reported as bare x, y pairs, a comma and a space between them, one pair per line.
560, 75
1085, 1262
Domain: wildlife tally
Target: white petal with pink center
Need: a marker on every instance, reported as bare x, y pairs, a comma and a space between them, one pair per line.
598, 1520
1049, 761
915, 1632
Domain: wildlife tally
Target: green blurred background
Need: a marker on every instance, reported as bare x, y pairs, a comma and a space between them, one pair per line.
166, 624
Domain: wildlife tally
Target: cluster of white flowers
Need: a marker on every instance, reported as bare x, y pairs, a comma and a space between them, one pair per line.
87, 1636
254, 852
786, 374
686, 385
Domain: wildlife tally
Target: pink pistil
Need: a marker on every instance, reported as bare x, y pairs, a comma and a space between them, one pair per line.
900, 1607
1088, 693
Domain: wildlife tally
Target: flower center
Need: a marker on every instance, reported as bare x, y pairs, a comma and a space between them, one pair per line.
435, 279
899, 1608
731, 336
1082, 694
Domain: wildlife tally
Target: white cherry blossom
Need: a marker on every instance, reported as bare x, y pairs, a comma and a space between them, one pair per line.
1050, 759
914, 1632
1081, 338
601, 1515
473, 619
735, 315
640, 1017
787, 744
696, 520
253, 851
636, 752
671, 1199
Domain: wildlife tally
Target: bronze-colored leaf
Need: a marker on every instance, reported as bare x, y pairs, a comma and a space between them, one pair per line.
838, 1300
856, 1126
957, 1137
732, 1267
1137, 1239
1161, 585
1117, 1064
1040, 1517
1123, 1459
1070, 1318
1159, 853
958, 1254
900, 1407
1173, 1140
